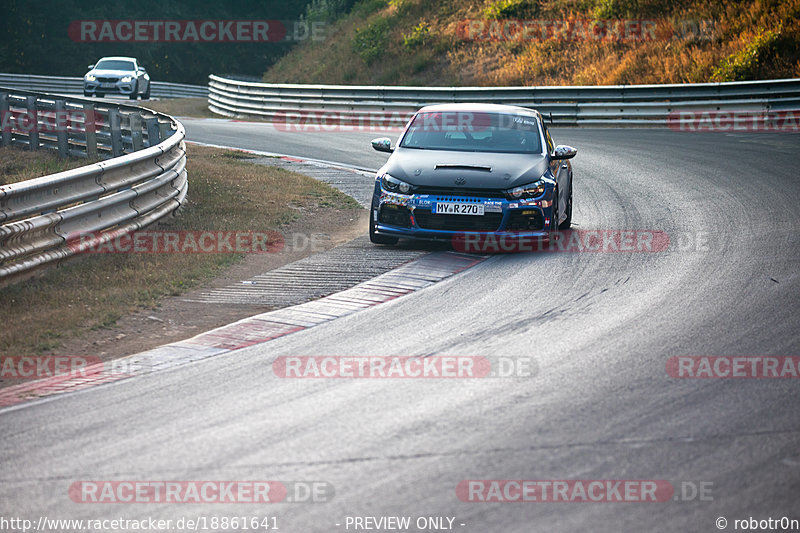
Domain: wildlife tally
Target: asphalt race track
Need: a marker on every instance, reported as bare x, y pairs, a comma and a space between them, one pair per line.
599, 405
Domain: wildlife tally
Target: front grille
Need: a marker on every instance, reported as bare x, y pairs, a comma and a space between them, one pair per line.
526, 220
107, 80
395, 215
427, 220
469, 193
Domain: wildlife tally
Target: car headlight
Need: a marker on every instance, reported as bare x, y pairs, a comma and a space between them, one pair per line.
126, 79
392, 184
90, 77
531, 190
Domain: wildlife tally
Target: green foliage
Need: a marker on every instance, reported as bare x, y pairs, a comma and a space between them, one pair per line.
332, 10
370, 42
418, 37
326, 10
608, 9
507, 9
617, 9
365, 8
402, 6
36, 38
420, 63
743, 64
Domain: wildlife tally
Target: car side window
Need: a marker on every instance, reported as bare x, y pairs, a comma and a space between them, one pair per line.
548, 139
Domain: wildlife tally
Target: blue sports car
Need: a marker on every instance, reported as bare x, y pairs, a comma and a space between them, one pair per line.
476, 169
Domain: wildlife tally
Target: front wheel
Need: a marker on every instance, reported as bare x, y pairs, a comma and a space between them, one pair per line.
554, 216
135, 92
379, 239
568, 211
146, 95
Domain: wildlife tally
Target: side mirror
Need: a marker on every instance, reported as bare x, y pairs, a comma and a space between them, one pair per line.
563, 151
383, 144
90, 67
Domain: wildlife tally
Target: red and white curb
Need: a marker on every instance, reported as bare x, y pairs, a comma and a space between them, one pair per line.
257, 329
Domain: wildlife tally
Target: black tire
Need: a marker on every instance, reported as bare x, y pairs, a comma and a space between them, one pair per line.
86, 95
568, 221
556, 215
135, 92
146, 95
379, 239
99, 94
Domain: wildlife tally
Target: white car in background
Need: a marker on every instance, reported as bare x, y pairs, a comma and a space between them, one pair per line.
117, 75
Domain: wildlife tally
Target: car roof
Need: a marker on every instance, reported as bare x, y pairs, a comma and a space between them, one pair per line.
486, 108
117, 57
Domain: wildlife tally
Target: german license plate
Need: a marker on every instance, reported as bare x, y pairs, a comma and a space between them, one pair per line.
457, 208
108, 85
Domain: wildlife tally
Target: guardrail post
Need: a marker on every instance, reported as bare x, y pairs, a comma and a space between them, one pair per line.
90, 128
61, 128
5, 118
153, 133
116, 132
33, 116
163, 128
136, 131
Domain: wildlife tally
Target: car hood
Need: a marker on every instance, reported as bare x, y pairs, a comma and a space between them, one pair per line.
112, 73
419, 167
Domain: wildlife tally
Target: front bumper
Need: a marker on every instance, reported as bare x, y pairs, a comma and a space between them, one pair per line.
412, 216
109, 87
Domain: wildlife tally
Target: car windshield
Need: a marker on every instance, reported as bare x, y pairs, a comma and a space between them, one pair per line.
114, 64
474, 131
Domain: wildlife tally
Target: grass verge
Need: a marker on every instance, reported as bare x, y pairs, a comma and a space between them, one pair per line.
19, 165
226, 192
181, 107
417, 42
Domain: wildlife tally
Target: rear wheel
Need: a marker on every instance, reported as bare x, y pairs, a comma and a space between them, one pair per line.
568, 211
379, 239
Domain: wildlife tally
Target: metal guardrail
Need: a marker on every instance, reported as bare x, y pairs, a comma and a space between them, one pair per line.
647, 105
50, 218
56, 84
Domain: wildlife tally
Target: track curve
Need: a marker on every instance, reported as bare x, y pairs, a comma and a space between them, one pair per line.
601, 327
